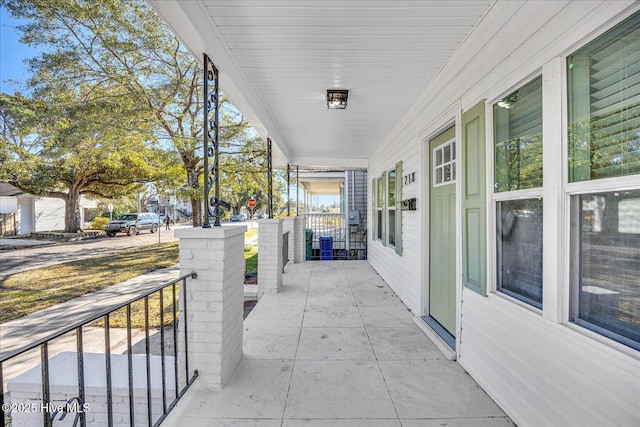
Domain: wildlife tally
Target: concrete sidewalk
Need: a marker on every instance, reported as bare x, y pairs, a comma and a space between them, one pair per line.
23, 243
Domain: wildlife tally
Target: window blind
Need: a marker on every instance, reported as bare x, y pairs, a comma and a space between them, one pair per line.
604, 105
518, 138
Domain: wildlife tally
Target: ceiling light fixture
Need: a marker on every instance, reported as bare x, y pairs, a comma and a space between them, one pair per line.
337, 99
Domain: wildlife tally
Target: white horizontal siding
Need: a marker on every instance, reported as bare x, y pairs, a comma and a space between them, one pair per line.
544, 373
402, 271
541, 372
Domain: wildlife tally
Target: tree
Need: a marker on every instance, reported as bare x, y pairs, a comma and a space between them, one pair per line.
110, 43
67, 145
243, 166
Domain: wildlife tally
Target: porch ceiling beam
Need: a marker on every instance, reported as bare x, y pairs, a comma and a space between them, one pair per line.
336, 162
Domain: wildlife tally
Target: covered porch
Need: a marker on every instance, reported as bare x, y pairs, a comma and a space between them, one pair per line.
337, 347
426, 82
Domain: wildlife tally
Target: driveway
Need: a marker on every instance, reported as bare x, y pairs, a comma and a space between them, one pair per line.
19, 260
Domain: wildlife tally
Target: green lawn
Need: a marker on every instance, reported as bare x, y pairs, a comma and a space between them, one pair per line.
251, 261
30, 291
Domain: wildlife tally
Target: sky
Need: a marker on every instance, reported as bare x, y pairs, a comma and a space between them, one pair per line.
12, 54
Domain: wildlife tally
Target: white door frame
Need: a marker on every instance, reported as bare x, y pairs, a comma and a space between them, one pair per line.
450, 117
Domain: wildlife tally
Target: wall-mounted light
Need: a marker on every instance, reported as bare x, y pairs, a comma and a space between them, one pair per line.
337, 99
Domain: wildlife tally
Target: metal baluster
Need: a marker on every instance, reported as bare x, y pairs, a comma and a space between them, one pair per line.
2, 414
175, 338
44, 362
80, 355
130, 366
107, 355
164, 372
186, 335
270, 178
148, 358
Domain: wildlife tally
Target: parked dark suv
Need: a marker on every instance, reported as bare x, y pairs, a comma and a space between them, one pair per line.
133, 223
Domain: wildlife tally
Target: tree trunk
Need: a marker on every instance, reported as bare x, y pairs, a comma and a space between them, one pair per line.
72, 212
196, 208
196, 202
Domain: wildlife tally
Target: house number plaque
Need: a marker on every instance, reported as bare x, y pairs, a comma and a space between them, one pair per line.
410, 178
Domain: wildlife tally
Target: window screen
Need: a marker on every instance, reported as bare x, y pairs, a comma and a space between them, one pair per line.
606, 246
520, 249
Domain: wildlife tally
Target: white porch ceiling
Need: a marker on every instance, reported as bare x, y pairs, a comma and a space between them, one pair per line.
319, 182
277, 58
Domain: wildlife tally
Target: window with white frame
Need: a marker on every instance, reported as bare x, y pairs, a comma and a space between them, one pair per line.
517, 130
387, 212
444, 164
380, 205
391, 207
374, 208
603, 80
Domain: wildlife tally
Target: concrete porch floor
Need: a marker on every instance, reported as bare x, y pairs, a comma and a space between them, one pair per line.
338, 348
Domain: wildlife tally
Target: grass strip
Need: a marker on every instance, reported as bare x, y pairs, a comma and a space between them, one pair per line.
25, 293
34, 290
251, 261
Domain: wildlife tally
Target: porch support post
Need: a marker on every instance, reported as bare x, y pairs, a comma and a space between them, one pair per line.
289, 224
288, 189
210, 145
270, 256
297, 190
298, 240
270, 177
215, 300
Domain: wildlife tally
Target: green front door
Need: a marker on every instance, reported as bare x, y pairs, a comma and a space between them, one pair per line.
442, 230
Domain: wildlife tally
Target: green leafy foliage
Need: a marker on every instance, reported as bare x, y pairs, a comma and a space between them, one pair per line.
74, 148
99, 223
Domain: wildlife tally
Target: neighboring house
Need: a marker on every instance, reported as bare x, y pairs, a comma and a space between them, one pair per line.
501, 142
350, 232
23, 213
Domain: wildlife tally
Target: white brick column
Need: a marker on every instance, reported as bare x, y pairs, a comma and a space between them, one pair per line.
299, 240
288, 225
215, 300
269, 256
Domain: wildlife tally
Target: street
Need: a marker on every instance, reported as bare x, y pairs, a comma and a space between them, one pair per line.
19, 260
29, 258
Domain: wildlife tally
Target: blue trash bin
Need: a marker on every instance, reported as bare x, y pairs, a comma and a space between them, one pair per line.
326, 248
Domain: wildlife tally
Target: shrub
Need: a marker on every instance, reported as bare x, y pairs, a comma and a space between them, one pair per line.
99, 223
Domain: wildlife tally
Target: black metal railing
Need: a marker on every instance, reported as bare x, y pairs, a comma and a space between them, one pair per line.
78, 406
285, 249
